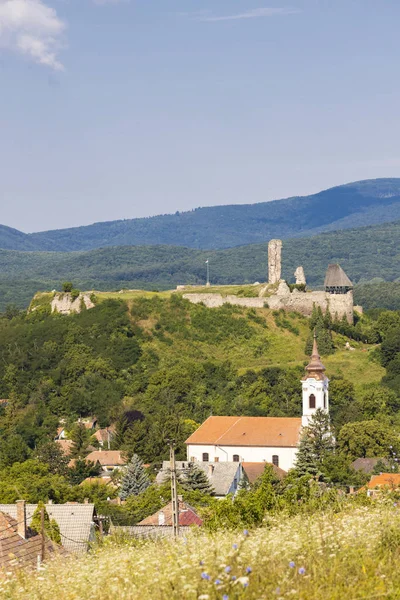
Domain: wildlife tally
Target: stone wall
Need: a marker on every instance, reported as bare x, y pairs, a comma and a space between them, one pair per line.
301, 302
63, 303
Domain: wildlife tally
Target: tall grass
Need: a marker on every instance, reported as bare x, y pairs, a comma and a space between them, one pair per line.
350, 555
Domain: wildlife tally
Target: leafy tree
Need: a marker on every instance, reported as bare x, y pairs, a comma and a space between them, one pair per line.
366, 439
390, 346
135, 480
194, 478
82, 469
80, 437
67, 286
13, 449
51, 454
51, 528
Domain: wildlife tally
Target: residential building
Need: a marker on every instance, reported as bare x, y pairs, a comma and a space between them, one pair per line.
253, 471
224, 477
262, 439
109, 460
384, 481
20, 546
76, 521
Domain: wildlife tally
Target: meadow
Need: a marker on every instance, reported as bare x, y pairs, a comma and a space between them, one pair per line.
348, 553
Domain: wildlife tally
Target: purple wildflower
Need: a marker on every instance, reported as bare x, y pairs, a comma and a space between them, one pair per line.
228, 569
225, 597
246, 532
248, 570
218, 582
233, 578
205, 575
234, 546
201, 563
302, 571
292, 564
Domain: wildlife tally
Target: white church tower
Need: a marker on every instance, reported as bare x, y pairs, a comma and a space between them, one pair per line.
315, 387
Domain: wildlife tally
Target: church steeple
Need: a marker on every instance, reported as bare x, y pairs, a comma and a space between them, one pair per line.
315, 386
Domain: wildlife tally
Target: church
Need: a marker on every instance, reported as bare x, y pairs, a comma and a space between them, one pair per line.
262, 439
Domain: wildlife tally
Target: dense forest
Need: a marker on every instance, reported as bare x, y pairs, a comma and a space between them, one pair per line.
366, 254
343, 207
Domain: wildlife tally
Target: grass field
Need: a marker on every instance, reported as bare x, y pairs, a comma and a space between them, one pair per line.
350, 555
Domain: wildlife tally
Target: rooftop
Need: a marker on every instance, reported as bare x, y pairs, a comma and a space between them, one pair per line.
336, 277
220, 474
254, 470
112, 458
248, 431
163, 517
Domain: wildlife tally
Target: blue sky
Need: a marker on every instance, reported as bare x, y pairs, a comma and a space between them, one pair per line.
120, 109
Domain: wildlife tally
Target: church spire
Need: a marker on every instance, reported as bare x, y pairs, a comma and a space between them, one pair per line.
315, 369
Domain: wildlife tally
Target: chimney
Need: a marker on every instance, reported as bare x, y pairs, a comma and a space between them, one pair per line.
21, 518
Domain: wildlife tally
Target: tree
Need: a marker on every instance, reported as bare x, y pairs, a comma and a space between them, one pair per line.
83, 469
51, 528
51, 454
135, 480
194, 478
315, 445
367, 439
67, 286
80, 437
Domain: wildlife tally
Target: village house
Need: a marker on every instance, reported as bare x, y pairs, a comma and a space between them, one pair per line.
262, 439
381, 482
75, 520
109, 460
20, 546
224, 477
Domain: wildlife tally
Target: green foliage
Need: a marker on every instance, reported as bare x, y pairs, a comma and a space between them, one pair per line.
67, 286
82, 469
365, 439
51, 454
194, 478
316, 445
51, 528
135, 480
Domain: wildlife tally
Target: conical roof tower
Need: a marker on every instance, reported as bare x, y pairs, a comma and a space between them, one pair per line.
315, 369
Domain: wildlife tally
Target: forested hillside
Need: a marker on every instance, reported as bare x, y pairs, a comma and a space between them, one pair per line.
365, 254
343, 207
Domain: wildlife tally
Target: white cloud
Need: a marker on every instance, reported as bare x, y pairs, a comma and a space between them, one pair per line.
32, 28
255, 13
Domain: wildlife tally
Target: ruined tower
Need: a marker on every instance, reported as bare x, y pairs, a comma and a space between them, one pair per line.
274, 261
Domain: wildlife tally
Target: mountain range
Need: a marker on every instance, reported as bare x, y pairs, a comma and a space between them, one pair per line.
358, 204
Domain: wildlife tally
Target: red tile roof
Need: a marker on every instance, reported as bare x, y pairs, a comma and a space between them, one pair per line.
254, 470
391, 480
248, 431
65, 446
16, 551
111, 458
187, 516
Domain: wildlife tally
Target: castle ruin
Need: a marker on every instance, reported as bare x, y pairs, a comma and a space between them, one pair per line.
337, 296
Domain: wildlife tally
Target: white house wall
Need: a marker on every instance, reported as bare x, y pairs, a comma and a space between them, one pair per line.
246, 454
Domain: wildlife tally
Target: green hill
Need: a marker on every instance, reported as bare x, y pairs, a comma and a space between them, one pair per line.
344, 207
364, 253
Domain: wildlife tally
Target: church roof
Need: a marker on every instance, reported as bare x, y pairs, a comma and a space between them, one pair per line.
336, 277
315, 368
248, 431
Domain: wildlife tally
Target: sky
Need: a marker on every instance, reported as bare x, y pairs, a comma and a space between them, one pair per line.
114, 109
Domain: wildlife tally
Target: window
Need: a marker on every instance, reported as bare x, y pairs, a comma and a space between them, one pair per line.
275, 460
216, 459
206, 458
312, 401
236, 458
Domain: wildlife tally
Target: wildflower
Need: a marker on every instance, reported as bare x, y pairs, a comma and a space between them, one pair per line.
246, 532
235, 546
201, 563
248, 570
225, 597
292, 564
233, 578
302, 571
228, 569
205, 575
218, 582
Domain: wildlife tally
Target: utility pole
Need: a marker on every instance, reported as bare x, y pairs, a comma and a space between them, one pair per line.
174, 489
42, 532
208, 273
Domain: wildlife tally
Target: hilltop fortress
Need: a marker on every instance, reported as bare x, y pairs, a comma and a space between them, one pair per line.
337, 296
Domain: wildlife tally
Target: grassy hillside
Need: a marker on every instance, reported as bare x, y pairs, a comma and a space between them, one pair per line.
310, 558
343, 207
364, 253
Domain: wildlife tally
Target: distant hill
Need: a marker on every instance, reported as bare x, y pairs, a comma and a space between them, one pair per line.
344, 207
365, 254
